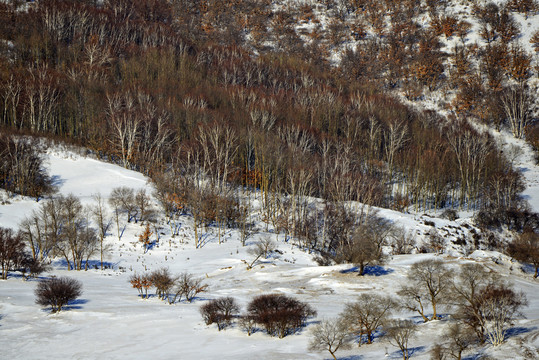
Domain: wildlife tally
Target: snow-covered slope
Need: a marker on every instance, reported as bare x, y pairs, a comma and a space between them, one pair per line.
110, 321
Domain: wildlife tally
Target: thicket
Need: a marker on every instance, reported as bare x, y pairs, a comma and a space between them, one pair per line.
21, 167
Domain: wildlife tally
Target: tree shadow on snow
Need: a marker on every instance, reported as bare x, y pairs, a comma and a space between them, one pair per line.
528, 269
57, 181
72, 305
518, 331
203, 240
477, 356
150, 246
351, 357
75, 304
92, 264
411, 351
375, 270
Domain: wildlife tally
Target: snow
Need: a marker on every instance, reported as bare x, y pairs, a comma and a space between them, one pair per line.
110, 321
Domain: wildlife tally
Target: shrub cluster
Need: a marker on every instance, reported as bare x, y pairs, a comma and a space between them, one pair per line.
279, 315
220, 311
168, 287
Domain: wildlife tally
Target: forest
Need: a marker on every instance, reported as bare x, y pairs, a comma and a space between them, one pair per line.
209, 96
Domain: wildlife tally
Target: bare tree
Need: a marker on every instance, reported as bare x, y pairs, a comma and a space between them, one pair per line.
395, 138
219, 148
471, 150
364, 246
330, 335
428, 282
262, 248
459, 338
399, 333
248, 324
122, 199
402, 241
143, 203
41, 230
518, 106
101, 219
466, 290
367, 314
499, 305
125, 124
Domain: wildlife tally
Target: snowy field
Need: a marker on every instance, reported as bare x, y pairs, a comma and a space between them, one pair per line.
110, 321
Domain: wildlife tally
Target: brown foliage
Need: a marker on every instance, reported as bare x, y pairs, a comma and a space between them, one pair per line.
279, 314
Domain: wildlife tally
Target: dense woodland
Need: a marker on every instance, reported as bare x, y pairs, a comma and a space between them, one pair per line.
226, 93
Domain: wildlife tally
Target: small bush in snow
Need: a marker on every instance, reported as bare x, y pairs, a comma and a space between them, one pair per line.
280, 315
57, 292
219, 311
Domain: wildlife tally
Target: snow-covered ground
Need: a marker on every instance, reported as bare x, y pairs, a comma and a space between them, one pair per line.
110, 321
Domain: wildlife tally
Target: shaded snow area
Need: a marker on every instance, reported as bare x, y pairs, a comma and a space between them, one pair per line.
110, 320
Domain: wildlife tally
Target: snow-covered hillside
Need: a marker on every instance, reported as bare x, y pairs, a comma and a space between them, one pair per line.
110, 321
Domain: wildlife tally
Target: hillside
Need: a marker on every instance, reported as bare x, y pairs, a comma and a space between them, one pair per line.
110, 321
323, 150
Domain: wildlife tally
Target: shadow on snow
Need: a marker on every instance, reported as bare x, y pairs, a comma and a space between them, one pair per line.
518, 331
92, 264
375, 270
411, 351
72, 305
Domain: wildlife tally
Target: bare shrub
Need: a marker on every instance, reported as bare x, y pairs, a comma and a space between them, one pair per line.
330, 335
262, 248
402, 241
280, 315
11, 251
248, 324
450, 214
499, 306
466, 291
163, 281
188, 287
399, 333
142, 283
367, 314
31, 267
220, 311
57, 292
